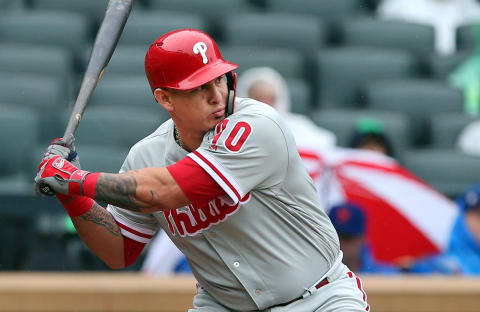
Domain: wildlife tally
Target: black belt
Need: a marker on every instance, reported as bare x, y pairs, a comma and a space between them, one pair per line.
320, 284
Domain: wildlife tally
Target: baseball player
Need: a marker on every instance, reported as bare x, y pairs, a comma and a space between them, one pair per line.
223, 178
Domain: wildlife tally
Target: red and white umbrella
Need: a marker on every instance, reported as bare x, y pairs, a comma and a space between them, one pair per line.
407, 218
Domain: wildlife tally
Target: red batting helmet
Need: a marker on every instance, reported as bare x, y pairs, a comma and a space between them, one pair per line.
184, 59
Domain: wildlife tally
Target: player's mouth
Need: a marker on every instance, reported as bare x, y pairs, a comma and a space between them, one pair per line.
219, 112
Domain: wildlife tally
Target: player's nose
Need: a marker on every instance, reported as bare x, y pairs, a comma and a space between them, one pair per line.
214, 93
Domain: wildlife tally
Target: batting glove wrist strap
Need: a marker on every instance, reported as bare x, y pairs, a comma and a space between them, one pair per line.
89, 185
75, 181
75, 205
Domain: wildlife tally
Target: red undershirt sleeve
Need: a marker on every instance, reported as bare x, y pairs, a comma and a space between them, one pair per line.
199, 187
132, 249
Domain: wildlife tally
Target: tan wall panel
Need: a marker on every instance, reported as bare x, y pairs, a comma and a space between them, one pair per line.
422, 294
94, 292
120, 292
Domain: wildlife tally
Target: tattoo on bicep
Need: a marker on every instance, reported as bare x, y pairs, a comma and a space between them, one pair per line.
103, 218
121, 190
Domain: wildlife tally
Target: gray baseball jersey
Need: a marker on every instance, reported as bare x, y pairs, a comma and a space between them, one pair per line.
268, 238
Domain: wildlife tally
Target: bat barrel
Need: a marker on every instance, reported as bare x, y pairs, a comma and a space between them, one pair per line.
107, 38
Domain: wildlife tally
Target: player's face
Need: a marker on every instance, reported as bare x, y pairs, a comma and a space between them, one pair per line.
202, 108
351, 248
373, 146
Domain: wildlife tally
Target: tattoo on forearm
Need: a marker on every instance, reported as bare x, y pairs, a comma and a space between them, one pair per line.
121, 190
103, 218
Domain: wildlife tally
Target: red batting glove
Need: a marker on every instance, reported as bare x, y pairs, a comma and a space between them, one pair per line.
69, 183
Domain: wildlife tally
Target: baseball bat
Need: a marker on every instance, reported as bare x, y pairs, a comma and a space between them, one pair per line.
108, 34
111, 28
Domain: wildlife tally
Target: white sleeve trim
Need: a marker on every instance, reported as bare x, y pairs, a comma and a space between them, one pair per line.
135, 237
126, 226
216, 171
133, 227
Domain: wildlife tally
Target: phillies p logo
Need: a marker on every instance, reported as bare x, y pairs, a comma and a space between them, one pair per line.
201, 47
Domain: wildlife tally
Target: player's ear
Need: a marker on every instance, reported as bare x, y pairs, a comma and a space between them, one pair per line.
163, 98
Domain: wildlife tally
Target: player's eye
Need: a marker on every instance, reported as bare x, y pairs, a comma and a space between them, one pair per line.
220, 79
201, 88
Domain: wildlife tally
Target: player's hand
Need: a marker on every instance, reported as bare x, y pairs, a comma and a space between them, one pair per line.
64, 147
60, 175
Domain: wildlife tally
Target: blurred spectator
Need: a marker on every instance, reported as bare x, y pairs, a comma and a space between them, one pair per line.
463, 253
409, 219
465, 243
444, 15
466, 77
469, 139
172, 260
266, 85
369, 135
350, 223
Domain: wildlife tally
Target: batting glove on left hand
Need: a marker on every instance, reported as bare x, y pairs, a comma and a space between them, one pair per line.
60, 175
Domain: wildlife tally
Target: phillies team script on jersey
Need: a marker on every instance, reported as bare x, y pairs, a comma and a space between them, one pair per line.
192, 220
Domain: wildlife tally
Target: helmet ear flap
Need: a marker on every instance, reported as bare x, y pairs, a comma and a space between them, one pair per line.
231, 84
230, 104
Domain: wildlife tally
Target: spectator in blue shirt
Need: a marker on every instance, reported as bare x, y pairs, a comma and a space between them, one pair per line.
465, 242
350, 223
463, 253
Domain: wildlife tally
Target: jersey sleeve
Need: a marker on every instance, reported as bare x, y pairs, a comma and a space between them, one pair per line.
196, 184
135, 225
244, 152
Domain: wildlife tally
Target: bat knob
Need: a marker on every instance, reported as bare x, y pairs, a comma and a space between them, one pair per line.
45, 189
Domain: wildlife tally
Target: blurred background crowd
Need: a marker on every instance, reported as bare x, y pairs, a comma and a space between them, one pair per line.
383, 98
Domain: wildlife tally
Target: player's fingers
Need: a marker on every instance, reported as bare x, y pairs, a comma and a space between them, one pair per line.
45, 159
67, 142
59, 150
56, 141
64, 147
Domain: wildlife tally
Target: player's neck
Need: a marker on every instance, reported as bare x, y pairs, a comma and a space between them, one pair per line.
186, 140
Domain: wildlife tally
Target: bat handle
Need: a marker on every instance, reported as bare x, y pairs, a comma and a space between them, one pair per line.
45, 189
72, 125
86, 89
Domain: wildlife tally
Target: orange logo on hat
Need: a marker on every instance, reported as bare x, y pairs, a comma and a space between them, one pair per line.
344, 215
